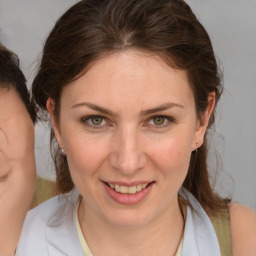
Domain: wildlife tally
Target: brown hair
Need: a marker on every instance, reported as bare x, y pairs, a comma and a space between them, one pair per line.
12, 77
169, 28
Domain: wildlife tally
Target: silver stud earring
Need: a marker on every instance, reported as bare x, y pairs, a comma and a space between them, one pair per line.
62, 150
196, 147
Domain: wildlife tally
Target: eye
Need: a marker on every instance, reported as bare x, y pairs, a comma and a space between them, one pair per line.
94, 121
160, 121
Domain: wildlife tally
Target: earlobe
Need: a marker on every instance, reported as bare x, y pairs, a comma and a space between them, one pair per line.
50, 105
202, 124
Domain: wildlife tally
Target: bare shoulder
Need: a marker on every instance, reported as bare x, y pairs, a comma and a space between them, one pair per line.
243, 230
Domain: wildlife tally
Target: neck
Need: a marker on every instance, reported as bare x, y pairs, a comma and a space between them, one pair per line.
103, 238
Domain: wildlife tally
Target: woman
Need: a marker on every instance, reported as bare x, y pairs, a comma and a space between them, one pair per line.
131, 89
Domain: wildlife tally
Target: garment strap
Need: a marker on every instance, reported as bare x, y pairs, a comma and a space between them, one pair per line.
44, 190
221, 224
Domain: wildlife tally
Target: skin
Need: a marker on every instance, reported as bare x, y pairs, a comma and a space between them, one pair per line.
17, 168
243, 230
130, 147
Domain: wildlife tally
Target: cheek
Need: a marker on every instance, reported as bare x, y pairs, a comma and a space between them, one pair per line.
84, 160
172, 156
85, 155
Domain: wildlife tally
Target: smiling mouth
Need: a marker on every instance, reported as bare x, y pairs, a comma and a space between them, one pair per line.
128, 189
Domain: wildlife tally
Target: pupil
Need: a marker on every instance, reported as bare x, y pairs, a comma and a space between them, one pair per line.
96, 120
159, 120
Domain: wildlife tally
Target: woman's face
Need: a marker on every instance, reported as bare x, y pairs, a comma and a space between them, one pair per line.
128, 127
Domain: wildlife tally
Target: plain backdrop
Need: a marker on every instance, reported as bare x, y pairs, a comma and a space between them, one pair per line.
231, 24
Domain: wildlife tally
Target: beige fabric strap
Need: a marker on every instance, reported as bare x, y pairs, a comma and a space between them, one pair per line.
178, 253
83, 243
44, 190
221, 224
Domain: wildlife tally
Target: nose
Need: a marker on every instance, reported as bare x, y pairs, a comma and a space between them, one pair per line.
128, 154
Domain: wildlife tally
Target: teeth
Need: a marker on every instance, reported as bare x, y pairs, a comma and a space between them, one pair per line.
117, 188
132, 190
139, 187
128, 190
123, 189
144, 185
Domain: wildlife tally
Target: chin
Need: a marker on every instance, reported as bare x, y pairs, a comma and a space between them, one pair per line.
128, 218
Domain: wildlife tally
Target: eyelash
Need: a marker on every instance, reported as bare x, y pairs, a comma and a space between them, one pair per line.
168, 120
85, 120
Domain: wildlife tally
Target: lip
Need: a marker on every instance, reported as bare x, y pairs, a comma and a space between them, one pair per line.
128, 199
130, 184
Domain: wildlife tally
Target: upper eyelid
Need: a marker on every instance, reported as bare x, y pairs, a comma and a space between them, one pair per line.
85, 118
163, 116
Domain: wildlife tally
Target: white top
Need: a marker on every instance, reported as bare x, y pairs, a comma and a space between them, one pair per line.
50, 229
85, 248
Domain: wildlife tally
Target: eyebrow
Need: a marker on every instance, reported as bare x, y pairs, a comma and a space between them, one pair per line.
106, 111
97, 108
162, 107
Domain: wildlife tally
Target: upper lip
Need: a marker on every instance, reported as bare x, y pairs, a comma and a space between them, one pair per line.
128, 184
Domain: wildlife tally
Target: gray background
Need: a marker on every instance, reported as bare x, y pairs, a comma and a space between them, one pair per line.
24, 25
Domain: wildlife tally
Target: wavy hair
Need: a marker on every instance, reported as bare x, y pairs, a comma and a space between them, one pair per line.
168, 28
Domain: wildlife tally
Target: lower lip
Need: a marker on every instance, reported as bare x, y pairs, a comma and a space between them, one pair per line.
128, 199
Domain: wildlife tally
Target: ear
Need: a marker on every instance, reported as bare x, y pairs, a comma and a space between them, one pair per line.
50, 105
202, 123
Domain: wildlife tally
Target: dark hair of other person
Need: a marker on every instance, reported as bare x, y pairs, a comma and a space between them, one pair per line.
12, 77
168, 28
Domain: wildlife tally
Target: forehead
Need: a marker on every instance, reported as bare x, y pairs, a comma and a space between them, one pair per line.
128, 78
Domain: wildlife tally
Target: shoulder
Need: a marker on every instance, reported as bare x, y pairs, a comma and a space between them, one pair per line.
243, 229
35, 230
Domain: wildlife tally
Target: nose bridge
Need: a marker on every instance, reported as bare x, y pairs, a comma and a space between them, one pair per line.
128, 156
